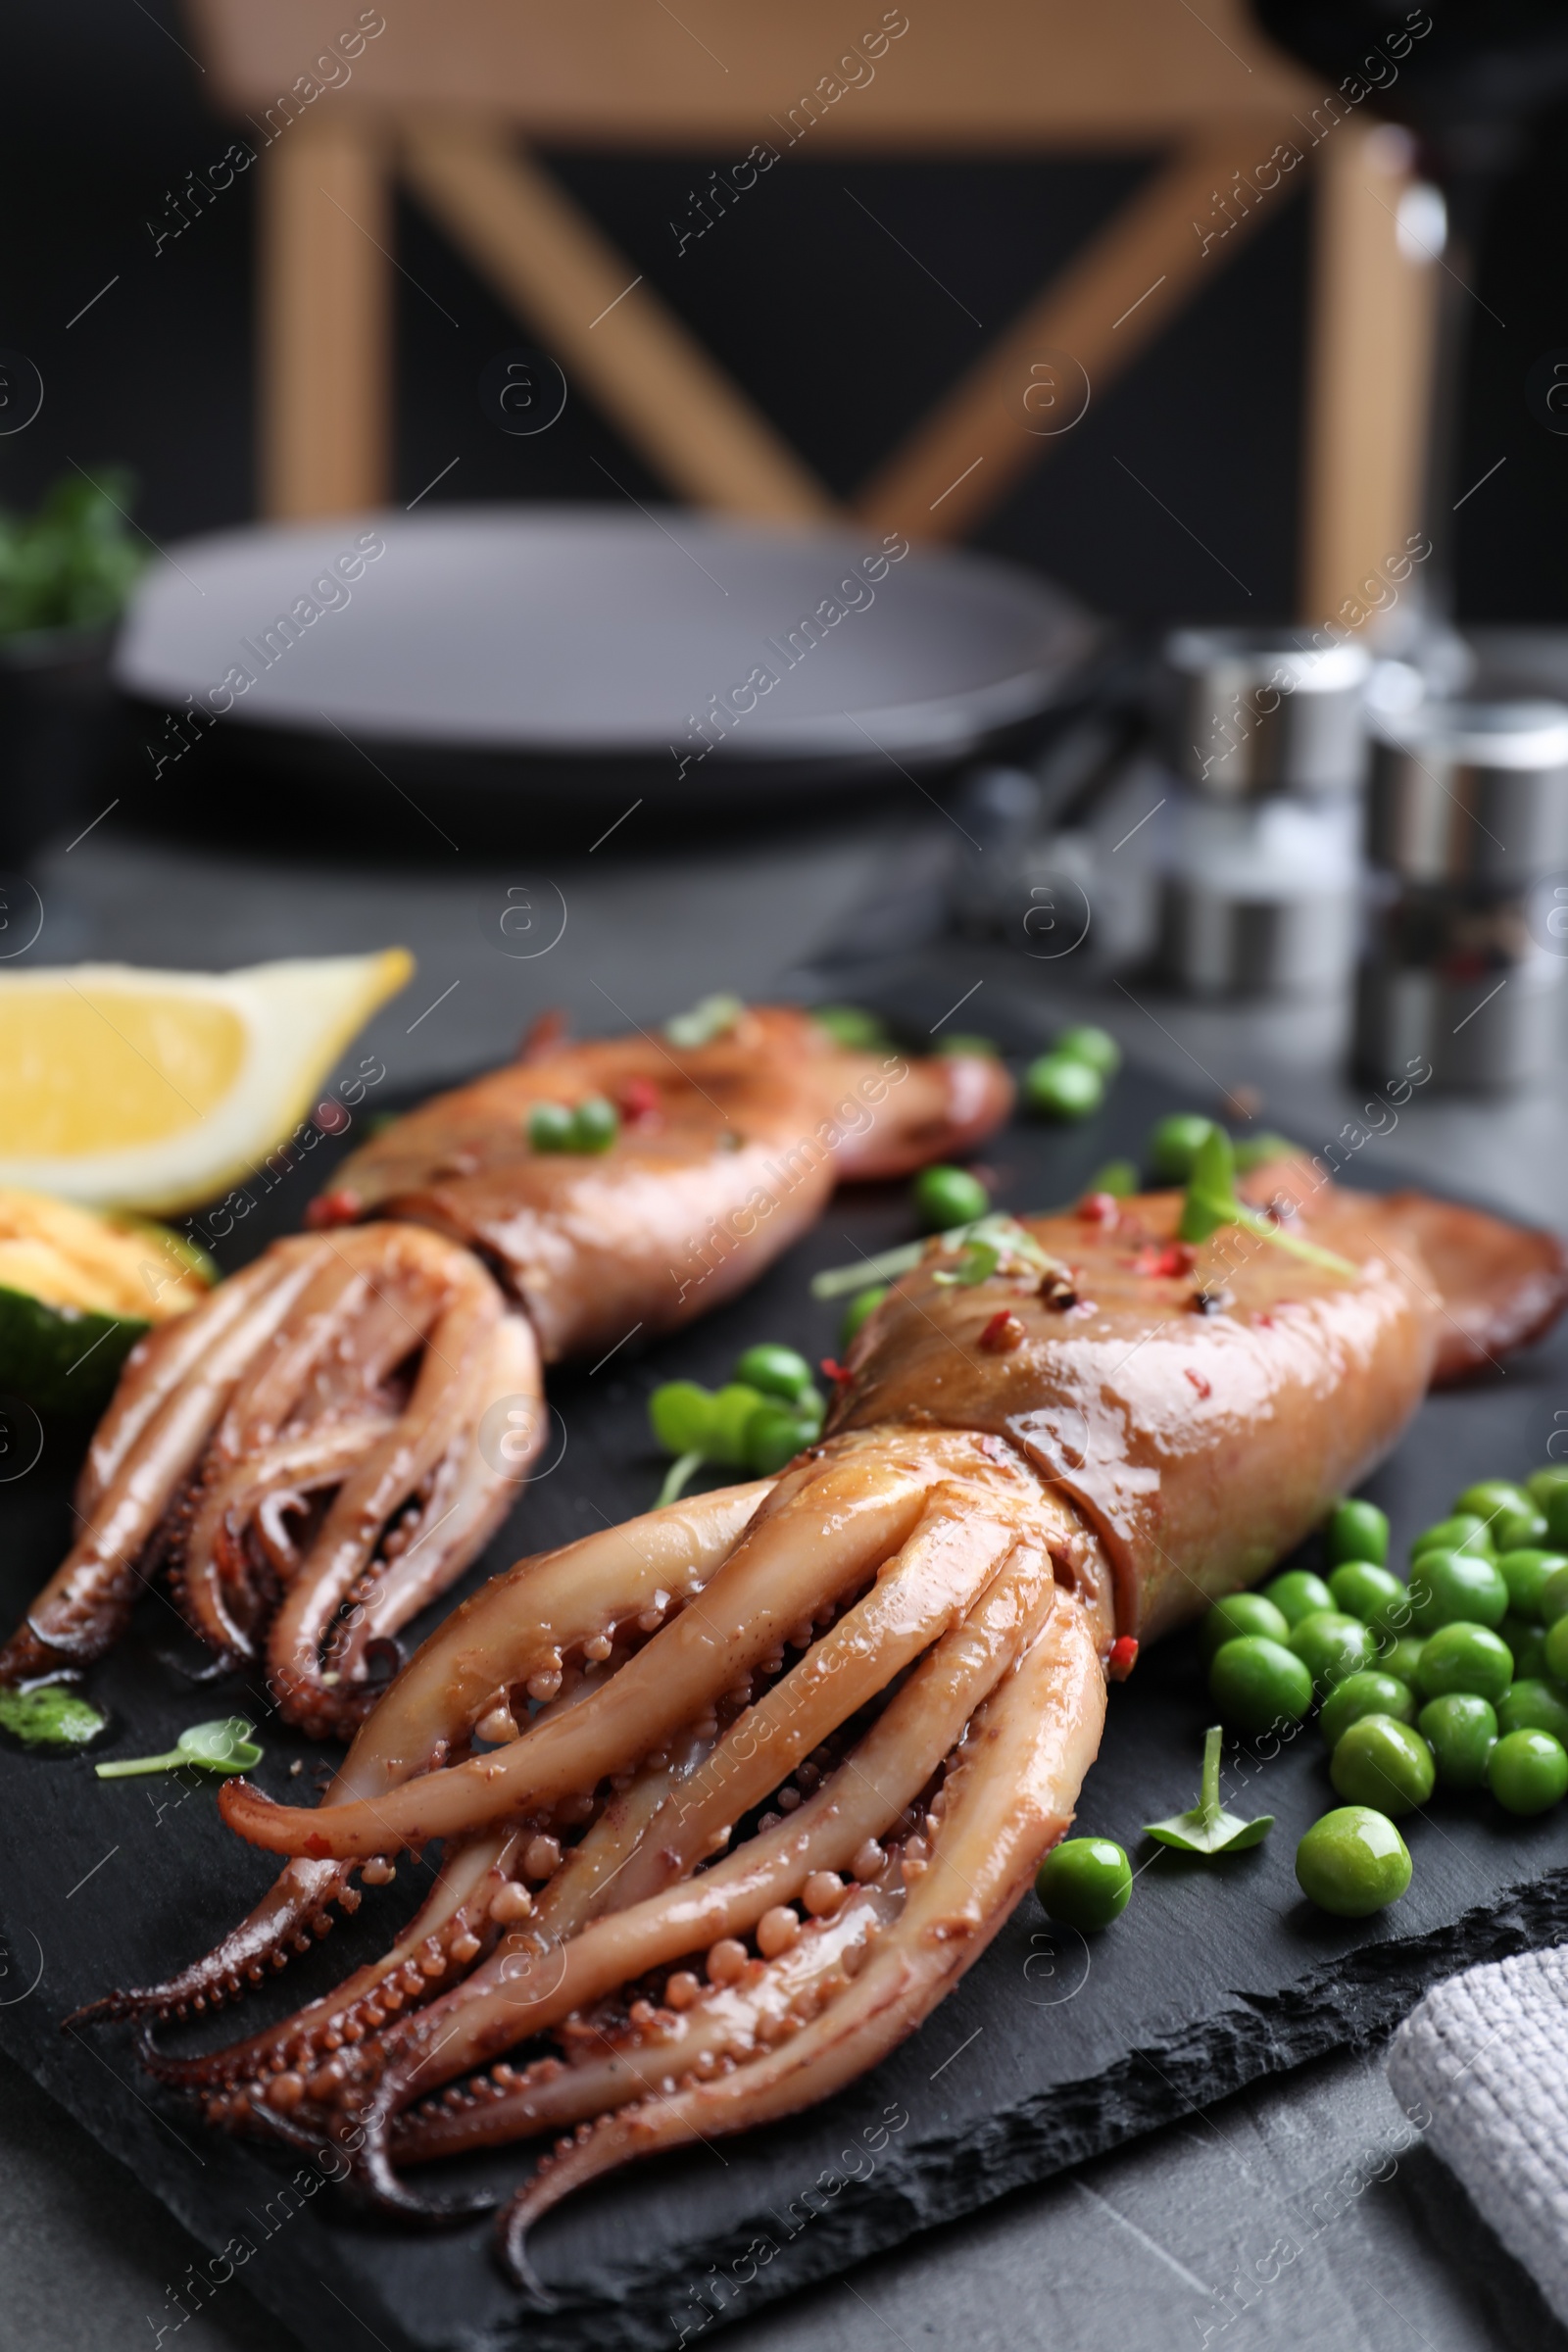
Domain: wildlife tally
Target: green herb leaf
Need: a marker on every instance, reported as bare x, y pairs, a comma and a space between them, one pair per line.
1209, 1829
977, 1262
50, 1716
1211, 1201
709, 1017
224, 1745
852, 1027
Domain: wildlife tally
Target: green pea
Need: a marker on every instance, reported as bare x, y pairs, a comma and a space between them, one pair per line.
594, 1125
1331, 1645
1095, 1046
1528, 1644
1490, 1495
1353, 1862
949, 1197
1527, 1570
1359, 1531
776, 1371
1555, 1650
1464, 1657
1059, 1087
1369, 1692
1461, 1731
775, 1433
1298, 1594
1464, 1531
550, 1127
1085, 1883
682, 1417
1512, 1531
1373, 1594
1118, 1177
1401, 1658
851, 1026
862, 1307
970, 1042
732, 1408
1241, 1614
1532, 1705
1381, 1761
1548, 1492
1175, 1143
1256, 1684
1527, 1772
1555, 1595
1446, 1586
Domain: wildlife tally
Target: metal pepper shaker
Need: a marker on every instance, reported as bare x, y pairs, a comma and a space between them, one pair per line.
1468, 939
1268, 744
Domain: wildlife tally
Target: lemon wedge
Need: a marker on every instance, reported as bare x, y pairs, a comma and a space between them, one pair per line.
156, 1091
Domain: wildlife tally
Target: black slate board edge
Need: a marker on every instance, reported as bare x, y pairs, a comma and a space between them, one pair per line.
674, 2295
1352, 2001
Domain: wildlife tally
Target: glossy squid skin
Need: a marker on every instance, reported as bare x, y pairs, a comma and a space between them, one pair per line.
1202, 1406
1022, 1469
727, 1152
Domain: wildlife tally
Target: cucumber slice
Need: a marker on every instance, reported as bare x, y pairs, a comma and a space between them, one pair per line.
78, 1290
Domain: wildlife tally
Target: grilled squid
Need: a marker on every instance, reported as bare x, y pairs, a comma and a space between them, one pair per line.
307, 1454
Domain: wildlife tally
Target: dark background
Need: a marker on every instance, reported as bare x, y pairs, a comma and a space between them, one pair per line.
839, 337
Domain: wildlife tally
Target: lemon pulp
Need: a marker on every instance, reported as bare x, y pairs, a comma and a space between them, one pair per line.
82, 1073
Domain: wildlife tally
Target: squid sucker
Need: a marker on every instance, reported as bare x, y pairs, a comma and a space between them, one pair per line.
730, 1797
309, 1454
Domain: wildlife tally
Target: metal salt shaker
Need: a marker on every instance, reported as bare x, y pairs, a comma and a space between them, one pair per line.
1468, 940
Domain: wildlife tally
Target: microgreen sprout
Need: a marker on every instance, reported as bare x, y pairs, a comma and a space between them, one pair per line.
226, 1746
977, 1262
1012, 1245
709, 1017
1211, 1201
1209, 1829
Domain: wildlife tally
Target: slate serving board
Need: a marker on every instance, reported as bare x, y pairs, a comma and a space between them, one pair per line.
1051, 2050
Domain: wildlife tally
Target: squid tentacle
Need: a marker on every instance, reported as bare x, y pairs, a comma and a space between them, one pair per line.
918, 1593
580, 1593
157, 1365
1011, 1797
474, 1342
771, 1579
612, 2067
271, 2067
317, 1457
86, 1601
299, 1895
540, 1975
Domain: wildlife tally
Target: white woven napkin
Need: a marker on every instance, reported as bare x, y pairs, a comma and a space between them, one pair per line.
1482, 2067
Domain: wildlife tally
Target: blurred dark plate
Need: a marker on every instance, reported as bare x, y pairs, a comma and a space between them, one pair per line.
513, 660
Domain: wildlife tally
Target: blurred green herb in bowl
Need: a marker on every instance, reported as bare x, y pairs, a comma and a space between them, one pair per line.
72, 562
